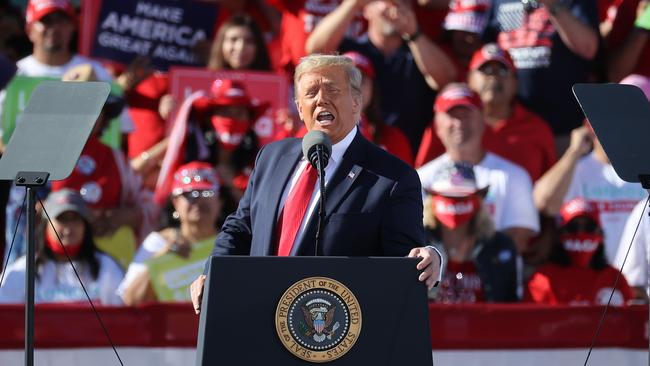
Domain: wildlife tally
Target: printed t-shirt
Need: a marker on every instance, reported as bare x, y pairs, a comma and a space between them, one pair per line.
615, 198
460, 284
546, 68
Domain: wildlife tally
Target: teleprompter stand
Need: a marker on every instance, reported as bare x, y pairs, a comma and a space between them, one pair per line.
620, 117
49, 137
266, 311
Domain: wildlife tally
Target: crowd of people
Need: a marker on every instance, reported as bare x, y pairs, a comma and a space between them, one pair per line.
518, 193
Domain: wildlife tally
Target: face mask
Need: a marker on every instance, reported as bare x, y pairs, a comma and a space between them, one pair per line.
53, 243
230, 131
455, 211
581, 247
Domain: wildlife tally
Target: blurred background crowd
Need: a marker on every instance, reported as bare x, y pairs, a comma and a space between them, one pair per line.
475, 94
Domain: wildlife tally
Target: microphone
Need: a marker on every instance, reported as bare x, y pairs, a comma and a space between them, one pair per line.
317, 148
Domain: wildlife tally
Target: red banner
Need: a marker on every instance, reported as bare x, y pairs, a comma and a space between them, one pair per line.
481, 326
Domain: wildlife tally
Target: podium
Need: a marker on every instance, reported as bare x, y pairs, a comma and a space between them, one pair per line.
301, 310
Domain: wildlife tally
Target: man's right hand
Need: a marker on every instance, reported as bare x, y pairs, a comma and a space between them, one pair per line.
196, 293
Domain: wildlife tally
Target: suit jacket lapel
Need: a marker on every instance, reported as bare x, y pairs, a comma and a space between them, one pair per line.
337, 187
284, 169
346, 173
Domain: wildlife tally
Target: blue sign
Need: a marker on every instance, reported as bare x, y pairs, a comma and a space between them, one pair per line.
165, 31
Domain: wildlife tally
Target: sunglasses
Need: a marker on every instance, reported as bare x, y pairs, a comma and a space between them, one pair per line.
195, 195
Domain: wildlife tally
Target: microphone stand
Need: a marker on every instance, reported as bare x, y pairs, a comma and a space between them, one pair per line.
321, 205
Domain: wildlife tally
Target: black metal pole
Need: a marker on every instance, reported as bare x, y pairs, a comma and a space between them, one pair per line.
30, 277
321, 205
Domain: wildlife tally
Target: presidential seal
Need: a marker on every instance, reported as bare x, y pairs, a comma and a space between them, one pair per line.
318, 319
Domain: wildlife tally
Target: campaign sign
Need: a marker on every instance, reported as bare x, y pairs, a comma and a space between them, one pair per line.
165, 31
266, 87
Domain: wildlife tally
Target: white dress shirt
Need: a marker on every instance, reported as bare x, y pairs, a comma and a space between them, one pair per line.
338, 150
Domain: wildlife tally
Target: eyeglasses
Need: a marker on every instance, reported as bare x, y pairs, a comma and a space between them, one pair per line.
494, 70
195, 195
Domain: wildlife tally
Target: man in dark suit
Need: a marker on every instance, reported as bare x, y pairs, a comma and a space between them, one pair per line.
374, 201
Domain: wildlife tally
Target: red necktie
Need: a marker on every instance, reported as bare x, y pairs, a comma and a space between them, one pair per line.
294, 210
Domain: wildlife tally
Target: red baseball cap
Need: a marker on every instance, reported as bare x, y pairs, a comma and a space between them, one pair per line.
226, 92
37, 9
458, 94
579, 207
362, 63
467, 15
491, 52
195, 176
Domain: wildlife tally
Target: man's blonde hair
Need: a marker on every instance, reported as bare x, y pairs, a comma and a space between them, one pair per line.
317, 61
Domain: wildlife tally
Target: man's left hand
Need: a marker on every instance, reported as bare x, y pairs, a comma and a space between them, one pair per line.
402, 17
429, 265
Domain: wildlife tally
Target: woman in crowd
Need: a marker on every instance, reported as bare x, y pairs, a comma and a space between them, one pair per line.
391, 138
184, 242
578, 273
55, 278
239, 45
481, 263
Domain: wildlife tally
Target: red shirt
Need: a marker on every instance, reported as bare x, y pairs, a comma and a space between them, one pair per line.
553, 284
430, 20
392, 139
143, 109
395, 142
299, 18
524, 138
96, 176
623, 13
460, 284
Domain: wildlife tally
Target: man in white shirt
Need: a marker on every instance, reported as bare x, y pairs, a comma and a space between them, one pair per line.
636, 266
459, 125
